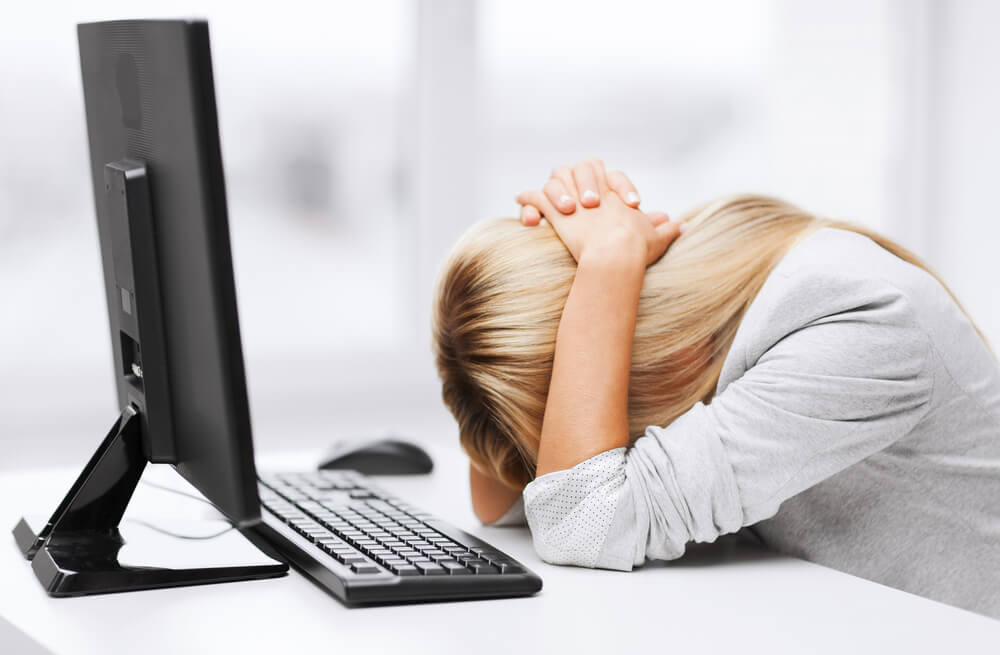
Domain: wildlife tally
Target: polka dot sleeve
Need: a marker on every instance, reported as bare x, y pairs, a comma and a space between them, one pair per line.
570, 511
620, 507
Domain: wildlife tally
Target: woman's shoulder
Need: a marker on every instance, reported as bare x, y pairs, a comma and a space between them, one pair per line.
831, 275
834, 270
836, 252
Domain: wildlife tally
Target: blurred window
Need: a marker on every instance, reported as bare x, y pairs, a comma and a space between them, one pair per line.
361, 138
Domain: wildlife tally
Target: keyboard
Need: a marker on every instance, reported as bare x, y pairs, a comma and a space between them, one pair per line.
365, 546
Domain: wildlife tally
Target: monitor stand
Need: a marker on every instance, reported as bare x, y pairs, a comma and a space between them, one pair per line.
79, 550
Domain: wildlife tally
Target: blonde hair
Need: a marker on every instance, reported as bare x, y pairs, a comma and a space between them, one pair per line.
501, 295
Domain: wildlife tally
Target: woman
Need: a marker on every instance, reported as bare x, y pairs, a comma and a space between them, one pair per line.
770, 369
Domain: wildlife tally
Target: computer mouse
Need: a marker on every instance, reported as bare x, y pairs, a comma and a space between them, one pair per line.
382, 456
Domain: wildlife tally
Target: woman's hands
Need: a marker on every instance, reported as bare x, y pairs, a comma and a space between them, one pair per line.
609, 223
586, 411
583, 181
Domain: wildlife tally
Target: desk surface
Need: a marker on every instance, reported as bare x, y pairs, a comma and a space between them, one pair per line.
721, 596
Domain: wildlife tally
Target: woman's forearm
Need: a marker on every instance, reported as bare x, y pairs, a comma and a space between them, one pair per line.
490, 498
586, 411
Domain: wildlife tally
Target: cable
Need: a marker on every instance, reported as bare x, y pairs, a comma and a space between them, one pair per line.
176, 491
174, 534
180, 536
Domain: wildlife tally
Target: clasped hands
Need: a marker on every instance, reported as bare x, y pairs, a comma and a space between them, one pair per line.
608, 222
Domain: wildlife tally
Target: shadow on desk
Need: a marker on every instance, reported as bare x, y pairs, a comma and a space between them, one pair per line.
740, 548
14, 641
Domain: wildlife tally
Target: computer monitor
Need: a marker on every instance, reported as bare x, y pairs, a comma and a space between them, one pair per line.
150, 105
160, 198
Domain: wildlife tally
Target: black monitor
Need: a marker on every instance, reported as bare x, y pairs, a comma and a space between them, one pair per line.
156, 166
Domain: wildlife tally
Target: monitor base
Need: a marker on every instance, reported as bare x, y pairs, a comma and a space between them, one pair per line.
82, 564
81, 550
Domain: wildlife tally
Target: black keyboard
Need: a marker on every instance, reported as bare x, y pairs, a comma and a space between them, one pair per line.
365, 546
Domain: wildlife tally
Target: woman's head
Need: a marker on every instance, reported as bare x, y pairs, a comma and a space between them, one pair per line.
501, 294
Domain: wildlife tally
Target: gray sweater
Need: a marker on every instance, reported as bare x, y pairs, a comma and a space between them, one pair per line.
856, 424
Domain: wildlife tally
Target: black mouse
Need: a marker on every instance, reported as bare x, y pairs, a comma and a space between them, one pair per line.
382, 456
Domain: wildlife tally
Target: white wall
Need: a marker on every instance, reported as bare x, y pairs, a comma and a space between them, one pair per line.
964, 224
424, 117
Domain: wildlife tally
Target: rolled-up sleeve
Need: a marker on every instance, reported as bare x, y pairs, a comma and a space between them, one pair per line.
569, 512
821, 399
621, 506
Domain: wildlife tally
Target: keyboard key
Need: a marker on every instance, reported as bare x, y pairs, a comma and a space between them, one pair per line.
364, 568
409, 553
454, 568
430, 568
482, 568
509, 569
355, 559
328, 548
341, 554
380, 505
335, 485
405, 569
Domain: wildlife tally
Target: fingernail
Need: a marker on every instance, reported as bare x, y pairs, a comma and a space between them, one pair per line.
565, 200
632, 198
682, 227
590, 195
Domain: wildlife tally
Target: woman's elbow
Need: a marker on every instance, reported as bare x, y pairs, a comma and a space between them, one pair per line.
561, 555
570, 556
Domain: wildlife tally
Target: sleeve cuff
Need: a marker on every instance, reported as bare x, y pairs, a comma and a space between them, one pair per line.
570, 512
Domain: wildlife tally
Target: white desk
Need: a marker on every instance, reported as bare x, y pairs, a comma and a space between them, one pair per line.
719, 598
